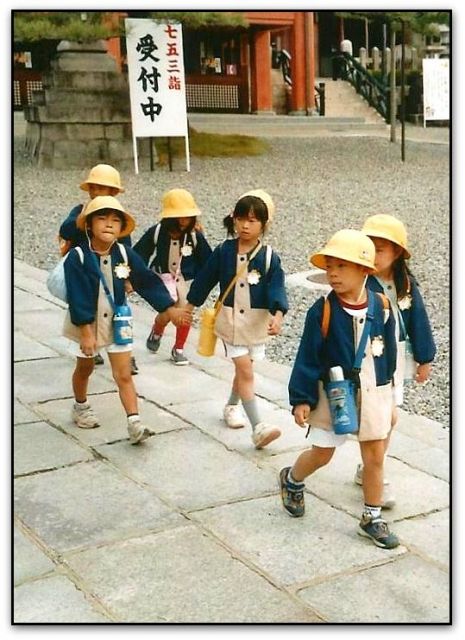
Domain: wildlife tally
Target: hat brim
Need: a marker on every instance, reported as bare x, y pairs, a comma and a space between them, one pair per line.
383, 236
175, 213
128, 229
319, 260
85, 186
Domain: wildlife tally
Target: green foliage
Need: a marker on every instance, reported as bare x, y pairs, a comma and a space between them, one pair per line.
31, 26
417, 21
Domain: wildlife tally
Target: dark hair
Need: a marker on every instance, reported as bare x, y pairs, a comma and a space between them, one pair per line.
172, 225
402, 276
106, 212
244, 206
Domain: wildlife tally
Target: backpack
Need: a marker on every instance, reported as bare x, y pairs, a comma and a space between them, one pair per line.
156, 234
56, 282
325, 318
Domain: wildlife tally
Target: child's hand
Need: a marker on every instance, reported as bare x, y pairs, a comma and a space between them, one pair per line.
128, 287
179, 317
423, 371
302, 414
275, 324
88, 340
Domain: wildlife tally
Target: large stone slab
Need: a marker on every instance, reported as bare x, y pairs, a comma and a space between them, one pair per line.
38, 447
207, 415
423, 429
112, 416
42, 324
190, 470
170, 385
51, 600
416, 492
433, 460
183, 576
41, 380
23, 414
87, 504
23, 301
428, 536
28, 560
26, 349
294, 550
408, 590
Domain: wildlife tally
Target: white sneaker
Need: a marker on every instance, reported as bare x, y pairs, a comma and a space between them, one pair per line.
233, 416
388, 500
138, 432
84, 417
264, 434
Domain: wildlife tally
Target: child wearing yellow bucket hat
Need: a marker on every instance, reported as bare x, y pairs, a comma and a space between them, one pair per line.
356, 343
175, 249
95, 281
251, 282
415, 343
103, 180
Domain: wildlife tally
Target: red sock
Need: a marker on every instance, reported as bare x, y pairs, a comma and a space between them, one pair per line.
181, 337
158, 329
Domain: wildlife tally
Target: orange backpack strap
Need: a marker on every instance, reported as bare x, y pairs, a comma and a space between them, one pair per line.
325, 318
385, 300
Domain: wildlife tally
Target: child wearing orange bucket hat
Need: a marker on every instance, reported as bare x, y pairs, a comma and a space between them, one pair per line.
415, 343
95, 275
254, 303
103, 180
175, 249
358, 345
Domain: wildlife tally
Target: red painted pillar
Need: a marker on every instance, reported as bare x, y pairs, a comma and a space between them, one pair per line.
298, 106
260, 77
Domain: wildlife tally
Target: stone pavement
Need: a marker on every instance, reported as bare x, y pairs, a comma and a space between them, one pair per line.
188, 526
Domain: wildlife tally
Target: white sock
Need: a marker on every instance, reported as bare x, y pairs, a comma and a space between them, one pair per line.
81, 405
134, 418
373, 512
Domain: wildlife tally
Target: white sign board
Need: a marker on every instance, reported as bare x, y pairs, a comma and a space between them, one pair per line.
435, 89
156, 81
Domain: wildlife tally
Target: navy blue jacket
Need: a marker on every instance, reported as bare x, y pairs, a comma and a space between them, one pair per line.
190, 265
82, 283
316, 355
69, 230
269, 293
416, 323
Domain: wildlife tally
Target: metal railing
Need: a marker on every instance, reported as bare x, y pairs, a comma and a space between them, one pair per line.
370, 88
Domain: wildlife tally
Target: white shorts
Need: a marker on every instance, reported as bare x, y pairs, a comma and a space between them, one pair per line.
255, 351
325, 439
74, 349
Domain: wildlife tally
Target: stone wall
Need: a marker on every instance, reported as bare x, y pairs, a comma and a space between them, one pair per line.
82, 116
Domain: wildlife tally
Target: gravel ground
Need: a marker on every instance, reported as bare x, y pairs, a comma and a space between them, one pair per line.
319, 186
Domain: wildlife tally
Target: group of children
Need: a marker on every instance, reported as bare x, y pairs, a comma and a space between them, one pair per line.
173, 267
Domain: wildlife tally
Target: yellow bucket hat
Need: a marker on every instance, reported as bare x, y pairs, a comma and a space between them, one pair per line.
348, 244
106, 202
267, 199
105, 175
179, 203
382, 225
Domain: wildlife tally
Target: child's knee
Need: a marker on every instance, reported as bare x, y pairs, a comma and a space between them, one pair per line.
84, 367
323, 455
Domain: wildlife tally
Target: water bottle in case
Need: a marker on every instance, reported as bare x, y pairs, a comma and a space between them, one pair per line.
122, 325
341, 400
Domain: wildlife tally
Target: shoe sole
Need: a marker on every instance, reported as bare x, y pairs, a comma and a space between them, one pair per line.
146, 434
152, 350
235, 426
273, 435
364, 534
81, 426
180, 364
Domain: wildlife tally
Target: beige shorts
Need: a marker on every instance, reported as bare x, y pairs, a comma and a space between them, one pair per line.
74, 349
255, 351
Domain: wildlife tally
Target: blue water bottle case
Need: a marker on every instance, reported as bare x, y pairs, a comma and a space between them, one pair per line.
122, 325
341, 398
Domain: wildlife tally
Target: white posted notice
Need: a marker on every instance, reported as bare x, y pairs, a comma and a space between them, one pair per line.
156, 81
435, 89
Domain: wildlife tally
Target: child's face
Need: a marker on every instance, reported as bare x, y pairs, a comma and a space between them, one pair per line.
346, 278
101, 190
248, 228
184, 222
106, 227
386, 254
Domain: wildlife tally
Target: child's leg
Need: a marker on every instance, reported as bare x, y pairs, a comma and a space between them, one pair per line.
292, 480
177, 355
83, 415
81, 375
121, 369
156, 332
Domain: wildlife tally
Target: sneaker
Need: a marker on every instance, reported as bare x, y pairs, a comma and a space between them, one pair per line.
233, 416
178, 357
378, 530
98, 359
153, 342
388, 500
138, 432
134, 367
292, 495
263, 434
85, 418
